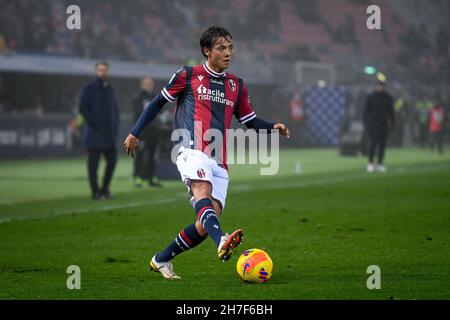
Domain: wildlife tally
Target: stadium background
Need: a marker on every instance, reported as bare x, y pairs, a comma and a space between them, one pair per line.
283, 48
307, 53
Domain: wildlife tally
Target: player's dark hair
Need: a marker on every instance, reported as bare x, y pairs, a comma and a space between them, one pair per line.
210, 36
102, 63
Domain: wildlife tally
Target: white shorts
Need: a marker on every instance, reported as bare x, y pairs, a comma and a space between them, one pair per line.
195, 165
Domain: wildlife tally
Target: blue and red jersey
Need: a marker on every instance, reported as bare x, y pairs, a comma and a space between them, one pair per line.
207, 100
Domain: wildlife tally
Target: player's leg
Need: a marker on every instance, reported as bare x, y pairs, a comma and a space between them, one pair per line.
93, 161
188, 238
218, 209
204, 208
209, 203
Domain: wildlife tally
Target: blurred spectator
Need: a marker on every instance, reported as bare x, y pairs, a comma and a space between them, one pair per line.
144, 163
38, 106
99, 108
436, 126
3, 47
378, 120
297, 116
400, 108
422, 110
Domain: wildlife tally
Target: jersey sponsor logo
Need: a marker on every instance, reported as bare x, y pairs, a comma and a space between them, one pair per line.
200, 78
232, 85
213, 95
217, 81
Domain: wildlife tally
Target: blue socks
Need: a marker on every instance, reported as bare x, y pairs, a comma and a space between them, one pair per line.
187, 239
209, 220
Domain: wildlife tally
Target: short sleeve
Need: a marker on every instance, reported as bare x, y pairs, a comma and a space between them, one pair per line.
244, 111
176, 85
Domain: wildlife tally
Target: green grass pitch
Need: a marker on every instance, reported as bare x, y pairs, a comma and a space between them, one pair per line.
322, 228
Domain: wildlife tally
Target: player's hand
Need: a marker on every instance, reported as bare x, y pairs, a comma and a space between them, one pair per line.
131, 143
283, 129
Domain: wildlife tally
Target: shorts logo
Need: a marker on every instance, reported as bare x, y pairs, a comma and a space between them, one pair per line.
232, 85
201, 173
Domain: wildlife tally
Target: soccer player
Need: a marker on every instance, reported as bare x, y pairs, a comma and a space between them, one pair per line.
207, 98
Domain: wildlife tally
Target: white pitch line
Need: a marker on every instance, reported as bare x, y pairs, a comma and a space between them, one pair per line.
238, 188
99, 209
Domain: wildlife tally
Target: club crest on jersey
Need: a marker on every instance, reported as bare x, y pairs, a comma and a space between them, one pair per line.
232, 85
201, 173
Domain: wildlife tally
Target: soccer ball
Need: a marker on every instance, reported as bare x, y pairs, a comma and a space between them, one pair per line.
254, 265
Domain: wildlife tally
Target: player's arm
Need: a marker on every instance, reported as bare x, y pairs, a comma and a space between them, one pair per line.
260, 124
150, 112
246, 115
169, 93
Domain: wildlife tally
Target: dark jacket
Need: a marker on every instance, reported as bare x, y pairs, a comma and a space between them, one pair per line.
99, 108
379, 112
139, 103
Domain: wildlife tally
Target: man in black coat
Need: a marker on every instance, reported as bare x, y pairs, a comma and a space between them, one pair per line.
144, 163
378, 120
99, 108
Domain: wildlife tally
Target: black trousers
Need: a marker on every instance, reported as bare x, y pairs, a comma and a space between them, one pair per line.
144, 163
94, 156
377, 144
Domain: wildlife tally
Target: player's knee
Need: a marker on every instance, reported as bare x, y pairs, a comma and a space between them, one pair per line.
201, 231
201, 190
217, 207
